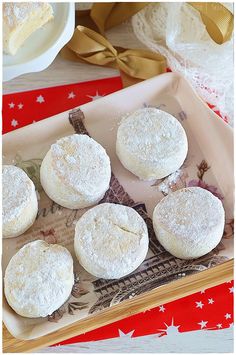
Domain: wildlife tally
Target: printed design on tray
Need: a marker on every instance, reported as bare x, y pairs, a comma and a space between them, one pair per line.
181, 115
76, 118
202, 168
49, 236
173, 182
160, 107
31, 168
156, 270
54, 208
70, 307
229, 228
178, 180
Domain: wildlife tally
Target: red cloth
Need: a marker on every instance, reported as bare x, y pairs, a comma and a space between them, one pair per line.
21, 109
212, 309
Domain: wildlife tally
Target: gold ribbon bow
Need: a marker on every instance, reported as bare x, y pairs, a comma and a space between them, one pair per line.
89, 46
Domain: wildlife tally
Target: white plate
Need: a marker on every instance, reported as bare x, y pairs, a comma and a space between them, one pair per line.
40, 49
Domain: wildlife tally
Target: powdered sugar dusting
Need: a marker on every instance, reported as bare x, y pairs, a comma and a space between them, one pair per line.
17, 189
82, 163
151, 134
111, 239
39, 278
189, 213
16, 13
166, 185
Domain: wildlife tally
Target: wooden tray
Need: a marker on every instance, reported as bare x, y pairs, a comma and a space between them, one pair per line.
161, 278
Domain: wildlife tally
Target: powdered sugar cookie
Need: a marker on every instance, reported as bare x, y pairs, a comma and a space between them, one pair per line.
111, 240
189, 222
19, 201
151, 143
76, 171
39, 279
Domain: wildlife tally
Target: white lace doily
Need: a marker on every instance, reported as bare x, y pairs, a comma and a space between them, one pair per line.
177, 31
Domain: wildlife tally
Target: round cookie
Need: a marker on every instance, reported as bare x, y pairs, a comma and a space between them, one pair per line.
189, 222
111, 240
39, 279
76, 171
151, 143
19, 201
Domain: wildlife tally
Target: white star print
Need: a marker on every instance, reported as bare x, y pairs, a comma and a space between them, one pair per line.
20, 106
203, 291
14, 123
231, 325
227, 315
11, 105
203, 324
171, 329
162, 309
96, 97
125, 335
210, 301
71, 95
219, 325
40, 99
199, 304
231, 289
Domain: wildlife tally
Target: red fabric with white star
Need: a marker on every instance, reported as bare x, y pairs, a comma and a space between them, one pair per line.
209, 309
21, 109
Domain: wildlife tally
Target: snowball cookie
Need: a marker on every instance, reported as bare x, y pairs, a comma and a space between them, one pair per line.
151, 143
76, 172
111, 240
39, 279
19, 201
189, 222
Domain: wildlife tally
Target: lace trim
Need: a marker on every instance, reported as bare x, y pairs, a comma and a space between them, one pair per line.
176, 31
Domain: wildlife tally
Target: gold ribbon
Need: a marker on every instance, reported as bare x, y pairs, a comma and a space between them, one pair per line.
219, 21
89, 46
108, 15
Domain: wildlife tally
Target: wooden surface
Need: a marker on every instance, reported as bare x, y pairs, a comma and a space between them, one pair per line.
158, 296
62, 72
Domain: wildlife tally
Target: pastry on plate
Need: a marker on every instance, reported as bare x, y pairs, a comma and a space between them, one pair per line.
39, 279
19, 201
76, 171
189, 223
20, 20
151, 143
111, 240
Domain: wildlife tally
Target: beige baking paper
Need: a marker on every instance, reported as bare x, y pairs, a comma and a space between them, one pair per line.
209, 164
